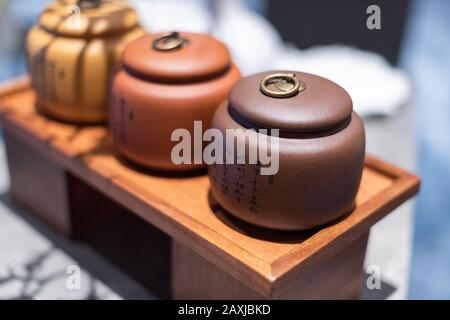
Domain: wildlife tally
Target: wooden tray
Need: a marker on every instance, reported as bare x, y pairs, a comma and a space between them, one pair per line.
213, 255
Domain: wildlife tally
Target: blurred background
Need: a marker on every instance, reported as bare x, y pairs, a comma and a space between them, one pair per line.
398, 76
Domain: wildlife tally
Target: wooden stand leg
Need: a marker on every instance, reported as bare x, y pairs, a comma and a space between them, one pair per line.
340, 277
132, 244
38, 183
193, 277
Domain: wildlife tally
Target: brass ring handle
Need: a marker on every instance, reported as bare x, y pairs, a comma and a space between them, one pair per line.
88, 4
281, 85
169, 41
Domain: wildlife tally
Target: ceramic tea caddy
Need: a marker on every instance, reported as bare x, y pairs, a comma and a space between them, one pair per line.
321, 147
71, 53
167, 82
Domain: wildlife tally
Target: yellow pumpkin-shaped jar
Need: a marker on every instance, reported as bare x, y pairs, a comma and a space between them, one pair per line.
72, 52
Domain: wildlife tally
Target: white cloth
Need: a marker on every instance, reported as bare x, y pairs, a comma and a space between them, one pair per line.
376, 88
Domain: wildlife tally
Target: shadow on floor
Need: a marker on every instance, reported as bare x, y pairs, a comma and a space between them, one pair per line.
86, 257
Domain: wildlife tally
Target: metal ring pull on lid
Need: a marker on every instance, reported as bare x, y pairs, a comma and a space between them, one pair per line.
169, 41
88, 4
281, 85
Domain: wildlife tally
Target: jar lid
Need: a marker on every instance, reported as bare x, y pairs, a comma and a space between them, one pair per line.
177, 57
290, 101
88, 18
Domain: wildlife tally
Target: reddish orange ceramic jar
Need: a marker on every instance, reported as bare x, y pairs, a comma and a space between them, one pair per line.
167, 82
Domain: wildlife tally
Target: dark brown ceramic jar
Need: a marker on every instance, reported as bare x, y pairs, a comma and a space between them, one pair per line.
321, 151
167, 82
